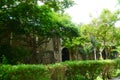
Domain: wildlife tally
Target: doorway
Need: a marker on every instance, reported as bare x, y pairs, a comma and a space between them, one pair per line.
65, 54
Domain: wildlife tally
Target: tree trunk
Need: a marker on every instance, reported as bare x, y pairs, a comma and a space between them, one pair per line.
104, 43
95, 54
11, 38
101, 57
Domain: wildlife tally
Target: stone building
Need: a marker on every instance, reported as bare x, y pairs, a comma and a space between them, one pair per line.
54, 52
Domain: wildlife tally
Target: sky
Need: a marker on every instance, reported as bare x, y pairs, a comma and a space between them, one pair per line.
85, 10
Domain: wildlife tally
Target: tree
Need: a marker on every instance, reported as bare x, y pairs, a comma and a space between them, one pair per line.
100, 34
58, 5
25, 24
110, 30
88, 41
22, 21
105, 27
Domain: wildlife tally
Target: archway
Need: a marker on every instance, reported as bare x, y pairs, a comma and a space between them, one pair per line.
65, 54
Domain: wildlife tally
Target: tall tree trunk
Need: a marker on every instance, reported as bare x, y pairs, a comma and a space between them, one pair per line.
11, 38
104, 43
95, 54
101, 57
33, 45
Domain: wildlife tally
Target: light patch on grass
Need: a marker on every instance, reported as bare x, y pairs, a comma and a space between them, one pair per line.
98, 78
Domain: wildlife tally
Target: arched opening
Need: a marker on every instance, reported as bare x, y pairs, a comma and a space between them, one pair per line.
65, 54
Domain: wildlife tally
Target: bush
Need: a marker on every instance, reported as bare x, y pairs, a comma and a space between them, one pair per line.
117, 66
89, 70
83, 70
4, 60
24, 72
70, 70
13, 54
58, 71
117, 62
108, 69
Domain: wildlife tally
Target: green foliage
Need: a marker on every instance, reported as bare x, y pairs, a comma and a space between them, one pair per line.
100, 33
4, 60
70, 70
118, 63
58, 5
63, 26
58, 71
13, 55
24, 72
84, 70
118, 72
25, 20
88, 70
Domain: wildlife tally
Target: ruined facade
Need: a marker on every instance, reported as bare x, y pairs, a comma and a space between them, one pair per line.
54, 52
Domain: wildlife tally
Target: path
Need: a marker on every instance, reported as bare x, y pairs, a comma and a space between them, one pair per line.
118, 78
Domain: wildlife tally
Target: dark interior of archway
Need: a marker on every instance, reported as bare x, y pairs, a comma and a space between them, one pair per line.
65, 54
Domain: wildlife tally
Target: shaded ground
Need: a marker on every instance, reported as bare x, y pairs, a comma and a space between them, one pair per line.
118, 78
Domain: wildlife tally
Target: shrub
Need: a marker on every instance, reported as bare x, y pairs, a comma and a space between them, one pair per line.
87, 70
117, 62
4, 60
108, 69
24, 72
58, 71
70, 70
13, 54
117, 66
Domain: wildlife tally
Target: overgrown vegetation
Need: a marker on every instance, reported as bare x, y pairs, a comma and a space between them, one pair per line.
26, 28
70, 70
